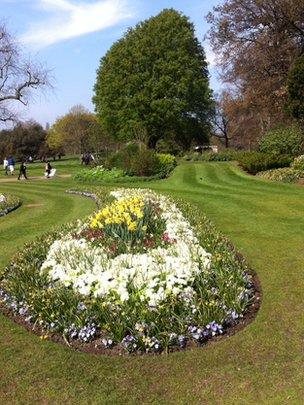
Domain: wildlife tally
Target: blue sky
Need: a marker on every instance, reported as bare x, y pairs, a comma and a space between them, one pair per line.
71, 36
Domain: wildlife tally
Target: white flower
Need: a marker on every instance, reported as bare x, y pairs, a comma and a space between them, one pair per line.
155, 275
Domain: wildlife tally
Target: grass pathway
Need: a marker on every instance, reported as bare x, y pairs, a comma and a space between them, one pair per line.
261, 364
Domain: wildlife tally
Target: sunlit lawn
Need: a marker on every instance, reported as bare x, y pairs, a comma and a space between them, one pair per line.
262, 363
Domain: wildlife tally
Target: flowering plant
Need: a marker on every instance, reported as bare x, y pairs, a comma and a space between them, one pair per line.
298, 163
8, 203
145, 298
285, 175
100, 173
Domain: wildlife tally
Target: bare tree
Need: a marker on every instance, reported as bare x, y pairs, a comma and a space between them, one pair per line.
19, 76
256, 43
221, 121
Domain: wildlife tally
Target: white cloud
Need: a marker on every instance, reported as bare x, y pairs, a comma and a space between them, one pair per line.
70, 19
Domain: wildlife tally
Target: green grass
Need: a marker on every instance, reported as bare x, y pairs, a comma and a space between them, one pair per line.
261, 364
66, 166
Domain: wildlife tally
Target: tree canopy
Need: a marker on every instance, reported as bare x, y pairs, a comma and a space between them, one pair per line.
154, 82
78, 131
256, 42
296, 89
24, 140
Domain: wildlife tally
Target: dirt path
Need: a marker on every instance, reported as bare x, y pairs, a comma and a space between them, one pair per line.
14, 179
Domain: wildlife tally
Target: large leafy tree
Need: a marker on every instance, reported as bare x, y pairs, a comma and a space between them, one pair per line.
78, 131
23, 140
154, 82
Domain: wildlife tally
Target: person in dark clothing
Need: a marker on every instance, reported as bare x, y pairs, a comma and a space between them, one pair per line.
11, 165
48, 169
22, 171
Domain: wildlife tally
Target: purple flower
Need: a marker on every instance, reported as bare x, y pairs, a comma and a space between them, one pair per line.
182, 341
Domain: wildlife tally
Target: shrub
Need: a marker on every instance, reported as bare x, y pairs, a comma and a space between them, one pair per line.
142, 162
123, 158
283, 140
99, 173
254, 162
166, 164
223, 156
298, 163
286, 175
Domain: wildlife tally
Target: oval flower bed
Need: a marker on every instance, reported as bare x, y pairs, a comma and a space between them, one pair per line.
136, 276
8, 203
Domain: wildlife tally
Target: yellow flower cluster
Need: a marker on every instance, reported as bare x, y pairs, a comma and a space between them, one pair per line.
124, 212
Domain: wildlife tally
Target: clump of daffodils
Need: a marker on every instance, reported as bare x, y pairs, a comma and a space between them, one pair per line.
127, 213
126, 225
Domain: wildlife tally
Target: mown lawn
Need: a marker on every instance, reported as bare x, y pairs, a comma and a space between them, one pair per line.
67, 165
261, 364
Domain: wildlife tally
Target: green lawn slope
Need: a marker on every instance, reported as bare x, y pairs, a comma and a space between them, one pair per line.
261, 364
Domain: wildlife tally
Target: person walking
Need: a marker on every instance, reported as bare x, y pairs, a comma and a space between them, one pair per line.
48, 169
11, 165
22, 171
5, 166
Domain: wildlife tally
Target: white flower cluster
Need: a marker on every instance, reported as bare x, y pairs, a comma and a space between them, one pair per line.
2, 198
153, 276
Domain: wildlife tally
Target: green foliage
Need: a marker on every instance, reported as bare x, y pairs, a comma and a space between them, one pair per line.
99, 173
24, 140
295, 86
144, 164
168, 146
298, 163
137, 160
283, 140
77, 132
285, 174
123, 158
155, 78
166, 164
254, 162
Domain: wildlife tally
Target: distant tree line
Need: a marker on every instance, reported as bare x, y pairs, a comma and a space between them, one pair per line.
25, 140
77, 132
